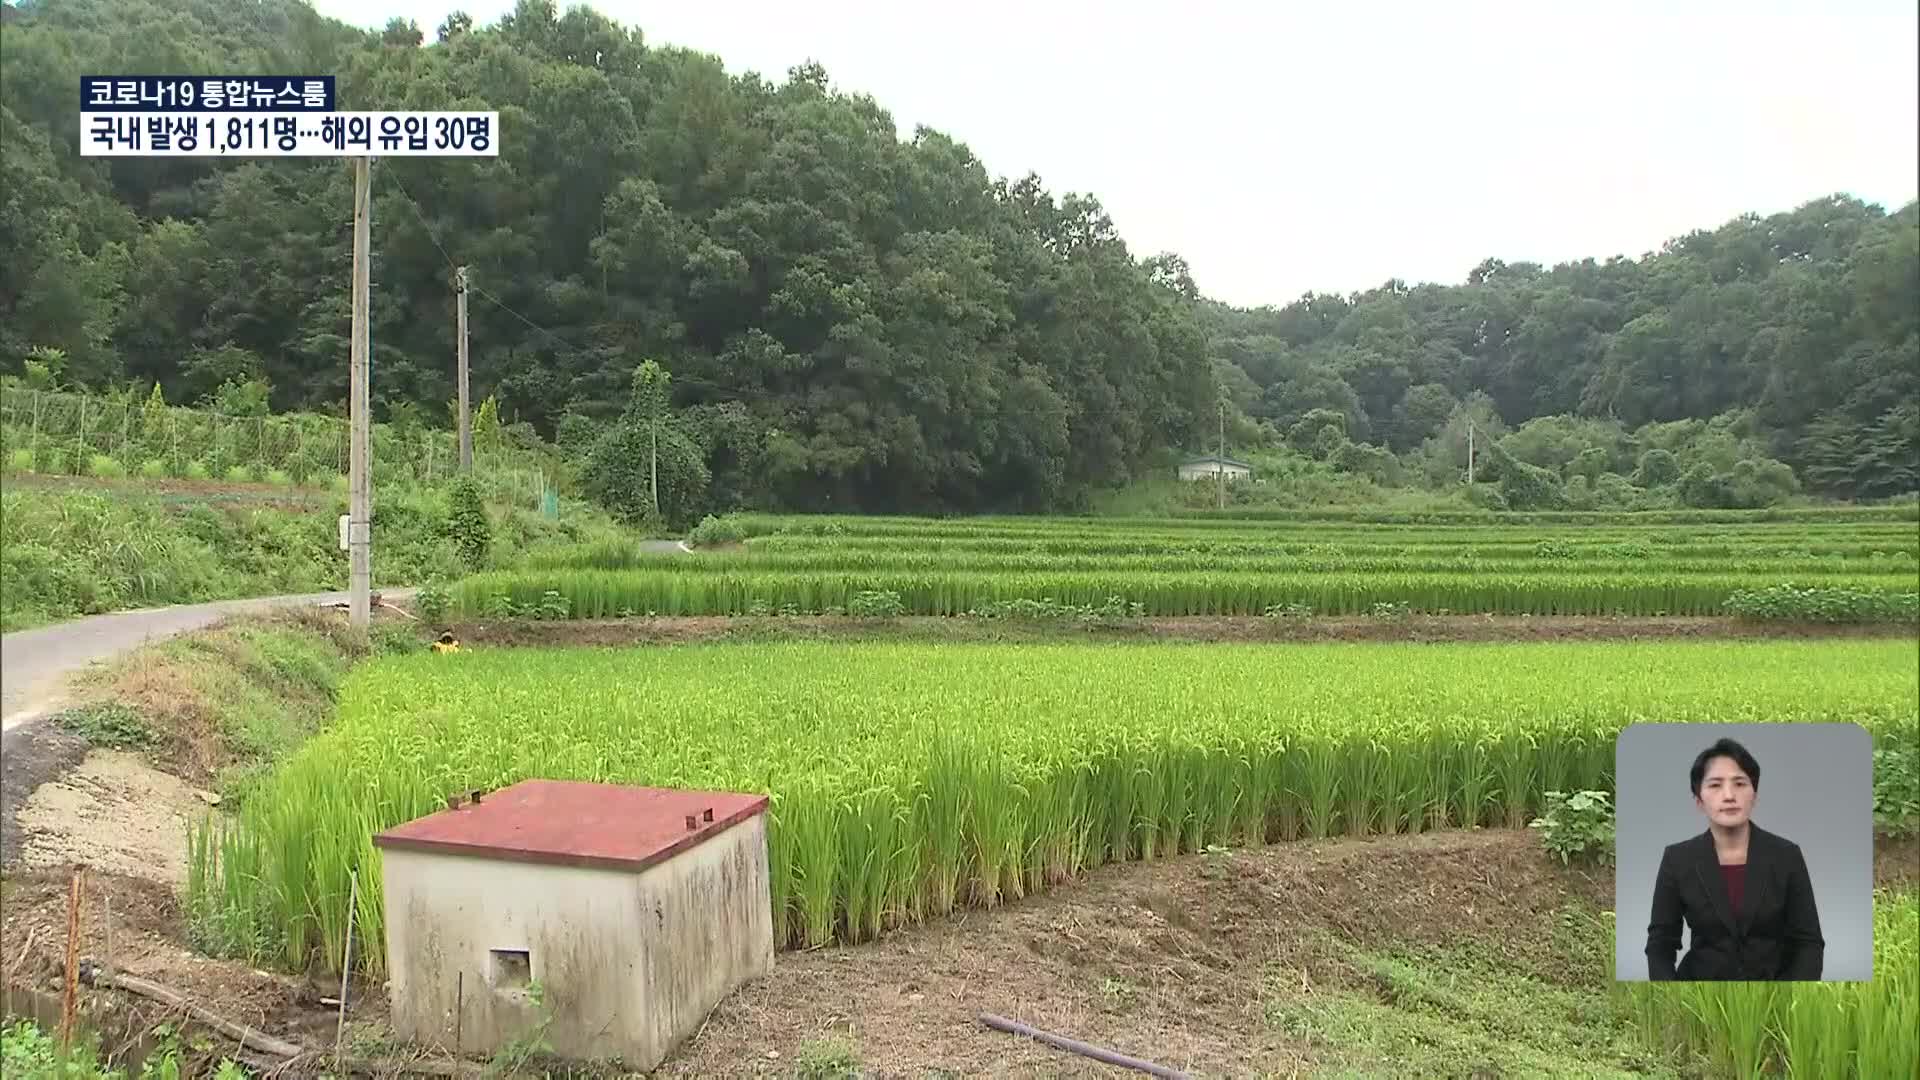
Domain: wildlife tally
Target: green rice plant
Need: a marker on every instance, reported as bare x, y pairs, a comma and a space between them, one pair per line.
698, 585
1849, 1030
907, 780
1824, 604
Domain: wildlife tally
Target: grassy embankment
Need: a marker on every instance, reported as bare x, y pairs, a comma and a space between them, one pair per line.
70, 550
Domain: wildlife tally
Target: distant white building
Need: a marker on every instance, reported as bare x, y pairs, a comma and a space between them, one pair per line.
1212, 466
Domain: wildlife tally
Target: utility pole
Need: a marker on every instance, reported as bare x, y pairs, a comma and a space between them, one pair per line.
1469, 451
466, 428
360, 506
1220, 465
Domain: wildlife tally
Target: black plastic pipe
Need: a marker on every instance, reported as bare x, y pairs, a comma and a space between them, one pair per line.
1111, 1057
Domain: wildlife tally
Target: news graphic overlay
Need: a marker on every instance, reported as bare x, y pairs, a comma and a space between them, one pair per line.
262, 116
1744, 853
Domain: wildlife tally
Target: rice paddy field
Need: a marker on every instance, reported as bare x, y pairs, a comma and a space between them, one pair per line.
1606, 565
910, 780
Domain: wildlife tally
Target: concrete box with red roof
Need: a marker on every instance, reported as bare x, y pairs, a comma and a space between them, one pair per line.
635, 910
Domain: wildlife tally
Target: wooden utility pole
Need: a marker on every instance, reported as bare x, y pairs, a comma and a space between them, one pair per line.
1220, 464
1469, 451
466, 425
360, 505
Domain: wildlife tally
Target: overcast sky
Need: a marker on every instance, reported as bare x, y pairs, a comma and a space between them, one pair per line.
1286, 147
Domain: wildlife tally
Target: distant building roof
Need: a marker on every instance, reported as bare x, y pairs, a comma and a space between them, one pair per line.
1212, 458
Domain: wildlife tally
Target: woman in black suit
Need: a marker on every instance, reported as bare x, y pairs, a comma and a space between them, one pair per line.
1743, 891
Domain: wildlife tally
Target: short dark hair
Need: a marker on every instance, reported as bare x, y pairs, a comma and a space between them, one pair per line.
1724, 748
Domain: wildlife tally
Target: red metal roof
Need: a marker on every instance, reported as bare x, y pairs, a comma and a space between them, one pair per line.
572, 823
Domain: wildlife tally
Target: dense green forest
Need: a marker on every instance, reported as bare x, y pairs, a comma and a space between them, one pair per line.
853, 320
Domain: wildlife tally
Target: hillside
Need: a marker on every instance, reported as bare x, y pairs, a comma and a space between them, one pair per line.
856, 321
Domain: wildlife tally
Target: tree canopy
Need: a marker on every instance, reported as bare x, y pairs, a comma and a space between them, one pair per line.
854, 320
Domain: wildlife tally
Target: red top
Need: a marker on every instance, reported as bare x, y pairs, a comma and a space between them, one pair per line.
1736, 878
571, 823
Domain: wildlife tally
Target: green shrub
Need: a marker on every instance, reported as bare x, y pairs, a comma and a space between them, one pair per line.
20, 461
106, 467
468, 524
279, 477
197, 470
153, 469
713, 531
239, 474
1578, 826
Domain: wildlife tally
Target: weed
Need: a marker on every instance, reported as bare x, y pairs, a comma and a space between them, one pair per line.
110, 725
1116, 994
826, 1059
875, 604
1896, 788
432, 602
1578, 826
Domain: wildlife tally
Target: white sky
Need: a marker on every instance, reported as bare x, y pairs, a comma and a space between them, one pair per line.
1288, 147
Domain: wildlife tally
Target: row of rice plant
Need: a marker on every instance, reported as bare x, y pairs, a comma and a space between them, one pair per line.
759, 524
1647, 544
909, 780
1865, 1029
906, 558
682, 590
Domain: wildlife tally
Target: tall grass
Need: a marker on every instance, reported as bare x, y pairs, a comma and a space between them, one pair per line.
1800, 1030
910, 780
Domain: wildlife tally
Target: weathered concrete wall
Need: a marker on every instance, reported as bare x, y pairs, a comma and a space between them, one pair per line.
707, 927
629, 963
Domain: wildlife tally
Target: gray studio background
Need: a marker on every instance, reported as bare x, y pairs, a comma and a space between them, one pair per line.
1816, 789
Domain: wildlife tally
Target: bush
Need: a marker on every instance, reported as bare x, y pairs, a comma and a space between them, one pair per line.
105, 467
717, 530
467, 523
617, 474
1578, 826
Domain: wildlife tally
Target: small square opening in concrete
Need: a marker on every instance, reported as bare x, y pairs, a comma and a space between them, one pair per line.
512, 969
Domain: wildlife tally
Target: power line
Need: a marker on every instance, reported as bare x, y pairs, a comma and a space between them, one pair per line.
454, 264
572, 349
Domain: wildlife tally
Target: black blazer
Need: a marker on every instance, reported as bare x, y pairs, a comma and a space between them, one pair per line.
1776, 935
